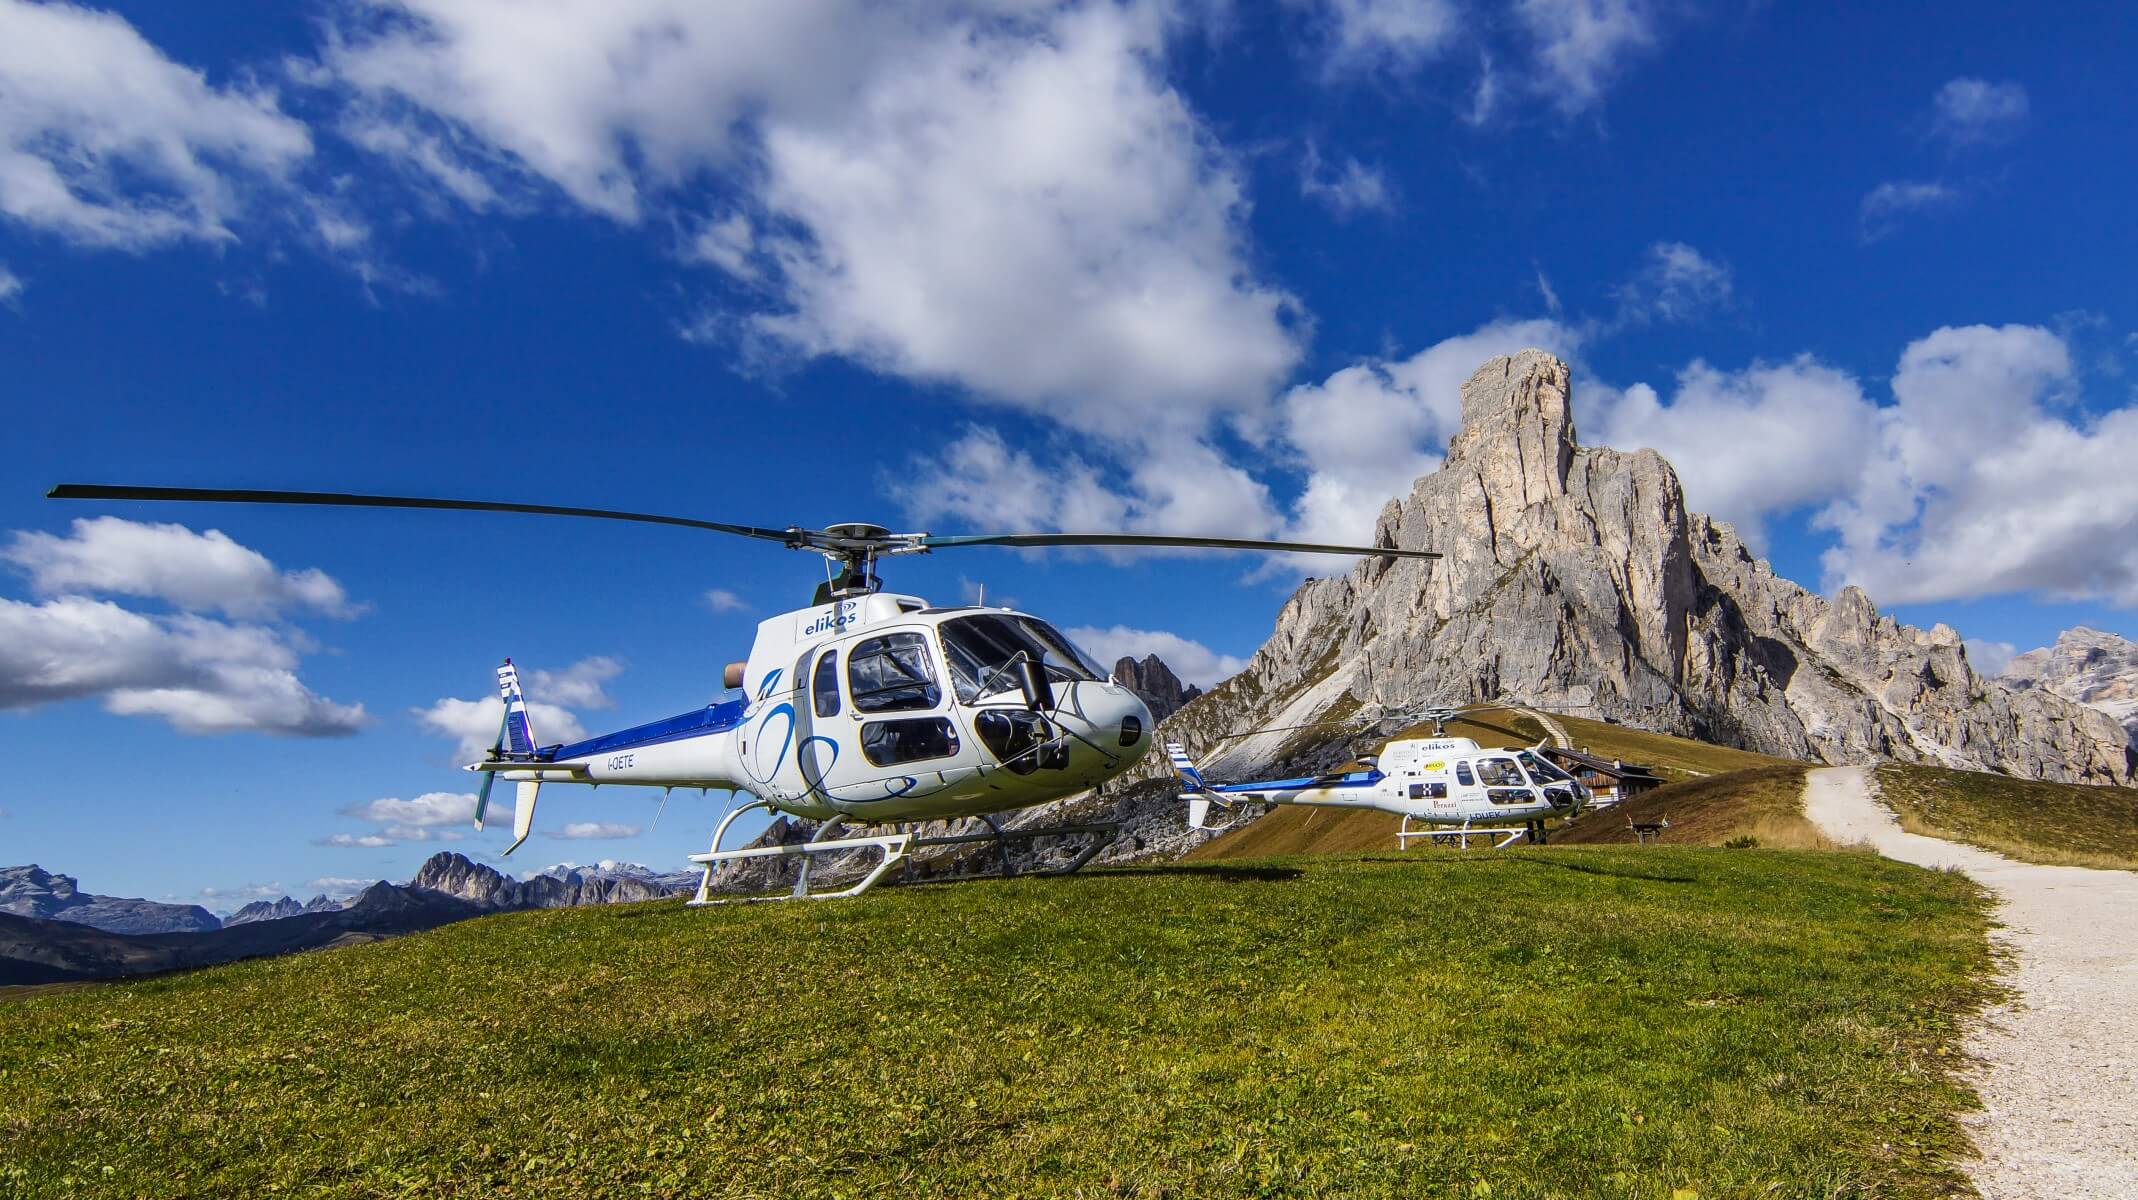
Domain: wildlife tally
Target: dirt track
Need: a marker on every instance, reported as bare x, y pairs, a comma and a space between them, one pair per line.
2060, 1082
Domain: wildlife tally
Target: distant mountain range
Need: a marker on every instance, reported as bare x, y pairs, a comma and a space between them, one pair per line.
33, 892
44, 937
275, 910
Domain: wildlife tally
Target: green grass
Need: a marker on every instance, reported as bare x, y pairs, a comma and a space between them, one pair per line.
2063, 824
1568, 1022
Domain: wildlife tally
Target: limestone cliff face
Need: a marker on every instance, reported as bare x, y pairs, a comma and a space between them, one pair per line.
2099, 670
1154, 681
1573, 577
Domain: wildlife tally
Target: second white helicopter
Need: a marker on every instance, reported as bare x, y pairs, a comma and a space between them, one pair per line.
1451, 787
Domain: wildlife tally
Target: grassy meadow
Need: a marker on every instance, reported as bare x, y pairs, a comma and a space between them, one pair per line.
1563, 1021
2062, 824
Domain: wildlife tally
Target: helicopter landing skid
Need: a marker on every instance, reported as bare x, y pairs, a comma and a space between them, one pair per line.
893, 845
1460, 835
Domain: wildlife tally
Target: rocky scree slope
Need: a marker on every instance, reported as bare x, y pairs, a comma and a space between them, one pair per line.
2099, 670
1574, 578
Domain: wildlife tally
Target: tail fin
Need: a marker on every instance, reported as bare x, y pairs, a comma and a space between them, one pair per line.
518, 733
1193, 789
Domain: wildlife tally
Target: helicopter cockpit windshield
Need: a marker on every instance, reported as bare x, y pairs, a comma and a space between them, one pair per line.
1541, 769
980, 649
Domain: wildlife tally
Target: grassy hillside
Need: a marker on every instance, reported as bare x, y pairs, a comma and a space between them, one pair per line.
1326, 831
1762, 804
2063, 824
1575, 1021
1674, 758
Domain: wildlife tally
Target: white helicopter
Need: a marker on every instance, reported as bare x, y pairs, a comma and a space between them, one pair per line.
867, 707
1450, 785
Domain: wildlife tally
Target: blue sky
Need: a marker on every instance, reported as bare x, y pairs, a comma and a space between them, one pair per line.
1168, 267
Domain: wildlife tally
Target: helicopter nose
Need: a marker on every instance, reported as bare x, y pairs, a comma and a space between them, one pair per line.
1117, 717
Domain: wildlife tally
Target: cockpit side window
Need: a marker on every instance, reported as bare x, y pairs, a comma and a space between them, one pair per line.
824, 685
1500, 772
892, 674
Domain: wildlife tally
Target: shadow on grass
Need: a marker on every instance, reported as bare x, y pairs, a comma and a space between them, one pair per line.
1539, 860
1224, 874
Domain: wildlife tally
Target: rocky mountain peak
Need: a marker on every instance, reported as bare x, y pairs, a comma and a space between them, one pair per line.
2089, 666
1154, 681
1517, 426
1574, 577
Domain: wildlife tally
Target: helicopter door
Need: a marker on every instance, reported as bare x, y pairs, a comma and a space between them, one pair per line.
899, 716
819, 753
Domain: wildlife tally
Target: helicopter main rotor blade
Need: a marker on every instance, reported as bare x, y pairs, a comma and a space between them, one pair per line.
92, 491
1160, 539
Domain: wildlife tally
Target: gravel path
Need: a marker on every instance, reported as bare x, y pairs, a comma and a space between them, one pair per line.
1554, 728
2060, 1085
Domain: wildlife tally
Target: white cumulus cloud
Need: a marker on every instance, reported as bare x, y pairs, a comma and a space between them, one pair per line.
199, 674
551, 698
105, 141
1769, 439
1191, 660
579, 685
1008, 197
1987, 478
198, 571
593, 830
430, 808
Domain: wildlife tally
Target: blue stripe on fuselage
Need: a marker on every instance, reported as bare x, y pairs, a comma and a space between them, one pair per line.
1356, 779
713, 718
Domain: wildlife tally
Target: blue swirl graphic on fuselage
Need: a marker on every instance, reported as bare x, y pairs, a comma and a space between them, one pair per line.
804, 761
786, 739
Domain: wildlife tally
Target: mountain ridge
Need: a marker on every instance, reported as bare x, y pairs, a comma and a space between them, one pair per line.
2089, 666
1574, 577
